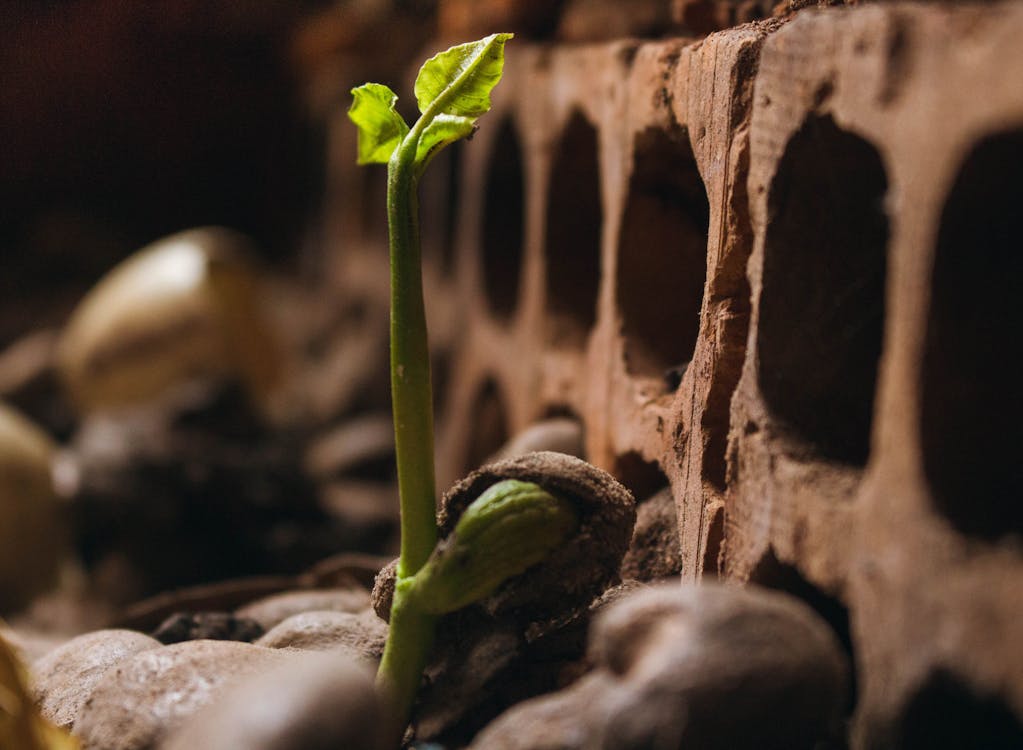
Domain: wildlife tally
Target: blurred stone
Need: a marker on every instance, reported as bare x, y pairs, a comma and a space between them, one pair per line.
272, 610
29, 383
139, 701
182, 308
65, 677
561, 435
313, 702
709, 667
361, 636
214, 626
361, 447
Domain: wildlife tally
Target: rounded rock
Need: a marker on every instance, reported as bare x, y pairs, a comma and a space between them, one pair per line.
361, 636
272, 610
558, 434
313, 702
66, 676
138, 702
710, 666
184, 306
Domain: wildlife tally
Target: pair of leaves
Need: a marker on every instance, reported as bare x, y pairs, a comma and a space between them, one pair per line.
21, 725
452, 90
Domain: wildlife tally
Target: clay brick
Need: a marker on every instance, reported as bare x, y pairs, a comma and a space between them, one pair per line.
869, 428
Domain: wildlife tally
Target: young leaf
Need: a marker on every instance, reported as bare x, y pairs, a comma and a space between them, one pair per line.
459, 80
381, 128
506, 530
441, 131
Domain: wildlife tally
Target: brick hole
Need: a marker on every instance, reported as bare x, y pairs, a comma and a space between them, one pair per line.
503, 223
489, 426
947, 714
971, 402
561, 410
662, 254
572, 241
822, 301
643, 478
774, 574
440, 193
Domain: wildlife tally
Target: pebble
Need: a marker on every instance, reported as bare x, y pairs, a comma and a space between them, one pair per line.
361, 636
64, 677
312, 702
272, 610
710, 666
214, 626
137, 702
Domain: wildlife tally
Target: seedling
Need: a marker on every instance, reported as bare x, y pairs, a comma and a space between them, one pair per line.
511, 526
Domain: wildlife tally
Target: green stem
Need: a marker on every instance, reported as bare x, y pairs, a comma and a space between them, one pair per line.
409, 641
411, 392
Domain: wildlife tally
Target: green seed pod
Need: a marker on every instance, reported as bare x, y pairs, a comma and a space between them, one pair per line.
31, 538
182, 308
509, 528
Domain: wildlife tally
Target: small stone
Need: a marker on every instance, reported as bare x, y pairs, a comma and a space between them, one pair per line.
560, 434
64, 678
361, 636
139, 701
213, 626
711, 667
272, 610
312, 702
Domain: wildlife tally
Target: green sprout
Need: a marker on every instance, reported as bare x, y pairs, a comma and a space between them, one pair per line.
511, 526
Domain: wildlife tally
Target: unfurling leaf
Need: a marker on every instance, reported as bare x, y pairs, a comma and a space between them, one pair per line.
21, 725
444, 129
381, 128
509, 528
459, 80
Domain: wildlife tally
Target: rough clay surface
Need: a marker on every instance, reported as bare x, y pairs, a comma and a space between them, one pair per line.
360, 636
654, 551
313, 702
138, 701
64, 678
710, 667
273, 610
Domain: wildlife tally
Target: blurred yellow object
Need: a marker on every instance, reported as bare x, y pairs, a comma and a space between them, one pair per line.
21, 725
31, 534
182, 308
